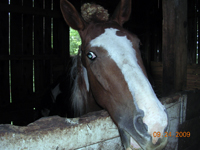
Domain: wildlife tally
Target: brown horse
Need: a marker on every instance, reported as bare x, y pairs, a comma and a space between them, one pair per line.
111, 75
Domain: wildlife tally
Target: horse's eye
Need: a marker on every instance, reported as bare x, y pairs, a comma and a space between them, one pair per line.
91, 55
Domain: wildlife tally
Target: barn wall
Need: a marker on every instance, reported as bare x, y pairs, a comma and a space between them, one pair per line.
177, 54
34, 51
193, 76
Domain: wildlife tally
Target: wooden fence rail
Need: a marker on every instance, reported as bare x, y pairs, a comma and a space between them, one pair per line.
93, 131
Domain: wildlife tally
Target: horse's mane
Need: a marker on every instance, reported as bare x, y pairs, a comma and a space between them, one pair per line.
79, 91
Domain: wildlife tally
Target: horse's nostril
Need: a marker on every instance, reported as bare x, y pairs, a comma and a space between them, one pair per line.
141, 126
140, 121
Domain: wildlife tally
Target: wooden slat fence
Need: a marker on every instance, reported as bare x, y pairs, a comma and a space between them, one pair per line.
34, 43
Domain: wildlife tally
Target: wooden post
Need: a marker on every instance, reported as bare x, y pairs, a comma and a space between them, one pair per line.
174, 45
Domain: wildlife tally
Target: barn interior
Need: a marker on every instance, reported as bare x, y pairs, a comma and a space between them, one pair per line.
34, 53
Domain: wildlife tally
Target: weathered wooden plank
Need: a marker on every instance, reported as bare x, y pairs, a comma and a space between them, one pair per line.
47, 47
27, 50
4, 65
198, 17
39, 48
189, 88
174, 45
168, 45
181, 44
154, 72
92, 131
193, 77
156, 64
194, 86
157, 77
192, 82
193, 106
16, 47
193, 71
192, 32
192, 138
30, 57
30, 10
193, 66
157, 69
76, 133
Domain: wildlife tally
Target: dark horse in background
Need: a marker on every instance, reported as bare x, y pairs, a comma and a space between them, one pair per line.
109, 74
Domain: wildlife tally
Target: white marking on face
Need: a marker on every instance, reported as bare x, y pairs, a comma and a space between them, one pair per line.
121, 50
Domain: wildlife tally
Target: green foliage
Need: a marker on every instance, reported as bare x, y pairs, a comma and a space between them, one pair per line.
75, 42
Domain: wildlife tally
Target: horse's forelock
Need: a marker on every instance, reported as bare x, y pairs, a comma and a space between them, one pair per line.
94, 12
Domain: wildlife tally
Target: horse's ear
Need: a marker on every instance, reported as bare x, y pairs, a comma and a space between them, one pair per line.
71, 15
122, 12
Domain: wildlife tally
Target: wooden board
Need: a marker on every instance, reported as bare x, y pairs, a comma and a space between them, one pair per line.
191, 127
92, 131
16, 48
4, 65
174, 45
193, 75
192, 124
27, 38
63, 133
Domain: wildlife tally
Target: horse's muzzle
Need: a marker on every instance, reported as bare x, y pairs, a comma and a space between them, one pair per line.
134, 134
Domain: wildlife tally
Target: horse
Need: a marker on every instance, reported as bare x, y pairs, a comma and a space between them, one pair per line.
109, 74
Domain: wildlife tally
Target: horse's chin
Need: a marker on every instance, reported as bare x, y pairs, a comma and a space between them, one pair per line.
133, 145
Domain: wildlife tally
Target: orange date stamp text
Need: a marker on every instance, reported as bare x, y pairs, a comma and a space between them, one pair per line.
168, 134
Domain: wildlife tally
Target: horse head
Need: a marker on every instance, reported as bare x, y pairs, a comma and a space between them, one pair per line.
116, 78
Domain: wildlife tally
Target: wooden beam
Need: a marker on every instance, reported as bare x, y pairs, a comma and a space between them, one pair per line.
174, 45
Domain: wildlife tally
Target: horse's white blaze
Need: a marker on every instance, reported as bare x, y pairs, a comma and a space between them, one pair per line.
120, 49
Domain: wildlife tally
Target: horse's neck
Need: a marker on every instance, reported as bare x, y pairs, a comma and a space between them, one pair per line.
92, 104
